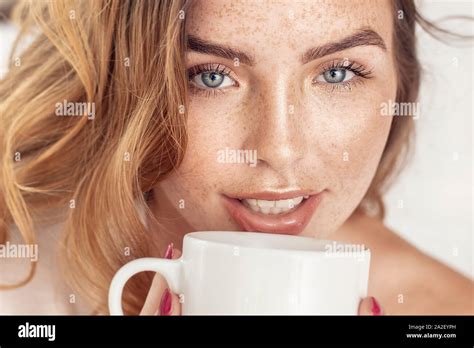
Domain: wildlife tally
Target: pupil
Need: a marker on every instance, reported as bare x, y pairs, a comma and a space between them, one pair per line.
212, 79
335, 75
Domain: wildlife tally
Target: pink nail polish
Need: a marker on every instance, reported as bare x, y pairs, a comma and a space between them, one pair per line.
169, 251
376, 310
165, 304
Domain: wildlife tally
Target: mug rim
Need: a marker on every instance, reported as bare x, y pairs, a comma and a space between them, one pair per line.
197, 236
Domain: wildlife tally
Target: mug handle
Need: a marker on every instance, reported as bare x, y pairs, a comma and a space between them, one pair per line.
170, 269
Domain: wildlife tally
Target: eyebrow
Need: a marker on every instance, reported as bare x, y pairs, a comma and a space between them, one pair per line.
203, 46
363, 37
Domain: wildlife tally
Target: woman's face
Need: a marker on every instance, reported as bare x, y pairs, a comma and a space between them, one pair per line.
299, 87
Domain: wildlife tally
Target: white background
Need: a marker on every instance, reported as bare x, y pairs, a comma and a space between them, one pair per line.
436, 187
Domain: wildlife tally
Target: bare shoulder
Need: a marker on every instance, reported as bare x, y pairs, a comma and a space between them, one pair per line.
405, 279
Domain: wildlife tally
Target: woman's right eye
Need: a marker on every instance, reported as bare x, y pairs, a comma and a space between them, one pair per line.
212, 79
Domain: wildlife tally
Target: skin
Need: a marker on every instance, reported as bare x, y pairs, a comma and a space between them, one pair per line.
304, 149
255, 115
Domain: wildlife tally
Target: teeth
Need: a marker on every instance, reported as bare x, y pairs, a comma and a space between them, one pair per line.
273, 207
252, 201
253, 207
265, 204
275, 210
288, 203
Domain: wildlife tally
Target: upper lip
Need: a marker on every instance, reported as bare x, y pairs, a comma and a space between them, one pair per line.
272, 195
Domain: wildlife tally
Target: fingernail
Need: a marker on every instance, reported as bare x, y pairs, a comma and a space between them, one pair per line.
376, 310
165, 304
169, 251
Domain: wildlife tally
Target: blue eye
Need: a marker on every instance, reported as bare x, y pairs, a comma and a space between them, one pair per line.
336, 75
211, 77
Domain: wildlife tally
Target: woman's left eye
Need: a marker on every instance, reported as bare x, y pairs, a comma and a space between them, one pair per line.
336, 75
212, 80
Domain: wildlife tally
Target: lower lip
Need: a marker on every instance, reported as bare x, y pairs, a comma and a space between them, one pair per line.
293, 222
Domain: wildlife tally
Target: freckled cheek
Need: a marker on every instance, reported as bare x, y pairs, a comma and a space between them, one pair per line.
214, 123
212, 126
349, 134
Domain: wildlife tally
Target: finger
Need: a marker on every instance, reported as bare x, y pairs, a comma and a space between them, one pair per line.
157, 289
176, 253
370, 306
160, 301
171, 252
175, 304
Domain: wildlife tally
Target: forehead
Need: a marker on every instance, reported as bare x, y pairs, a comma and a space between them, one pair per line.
262, 25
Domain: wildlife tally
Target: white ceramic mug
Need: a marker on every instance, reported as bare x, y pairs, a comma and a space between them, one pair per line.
222, 272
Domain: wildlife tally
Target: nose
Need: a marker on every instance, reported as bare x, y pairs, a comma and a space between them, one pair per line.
278, 135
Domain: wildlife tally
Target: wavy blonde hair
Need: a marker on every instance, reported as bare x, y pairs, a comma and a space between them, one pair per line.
127, 57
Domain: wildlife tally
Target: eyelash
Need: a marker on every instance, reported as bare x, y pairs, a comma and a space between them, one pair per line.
359, 71
202, 68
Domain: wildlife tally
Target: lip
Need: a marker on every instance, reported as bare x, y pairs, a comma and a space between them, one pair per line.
292, 222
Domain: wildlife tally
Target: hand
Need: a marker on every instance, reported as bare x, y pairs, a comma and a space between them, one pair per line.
370, 306
160, 301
